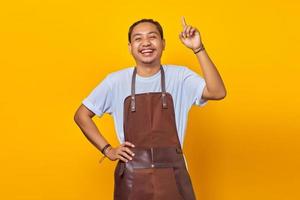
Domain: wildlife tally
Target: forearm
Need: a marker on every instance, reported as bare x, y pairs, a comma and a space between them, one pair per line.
211, 75
91, 132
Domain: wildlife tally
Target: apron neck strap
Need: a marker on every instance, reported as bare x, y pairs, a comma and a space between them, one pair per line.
163, 89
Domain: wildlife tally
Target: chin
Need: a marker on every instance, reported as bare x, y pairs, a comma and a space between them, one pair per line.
148, 62
145, 60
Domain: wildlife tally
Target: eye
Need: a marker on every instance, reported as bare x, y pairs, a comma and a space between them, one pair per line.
152, 36
137, 39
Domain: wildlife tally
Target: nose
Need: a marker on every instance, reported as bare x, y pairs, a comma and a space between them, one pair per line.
146, 42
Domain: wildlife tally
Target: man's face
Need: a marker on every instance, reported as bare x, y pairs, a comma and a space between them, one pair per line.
146, 44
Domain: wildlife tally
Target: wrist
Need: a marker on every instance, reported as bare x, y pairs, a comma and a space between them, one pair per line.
201, 48
103, 150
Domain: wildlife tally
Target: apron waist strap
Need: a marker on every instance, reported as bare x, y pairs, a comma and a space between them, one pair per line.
154, 157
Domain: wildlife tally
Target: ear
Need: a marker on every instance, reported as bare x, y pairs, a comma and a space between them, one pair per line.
164, 44
129, 47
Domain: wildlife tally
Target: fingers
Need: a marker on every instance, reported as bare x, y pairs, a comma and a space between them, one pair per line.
184, 31
127, 154
125, 149
184, 26
127, 143
122, 158
183, 21
192, 31
188, 31
124, 153
181, 36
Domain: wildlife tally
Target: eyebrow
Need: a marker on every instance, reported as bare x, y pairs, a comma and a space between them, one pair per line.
146, 33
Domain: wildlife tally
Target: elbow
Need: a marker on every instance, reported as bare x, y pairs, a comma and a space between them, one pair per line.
82, 115
221, 95
76, 118
217, 94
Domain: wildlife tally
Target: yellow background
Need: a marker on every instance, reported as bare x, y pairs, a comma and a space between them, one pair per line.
53, 53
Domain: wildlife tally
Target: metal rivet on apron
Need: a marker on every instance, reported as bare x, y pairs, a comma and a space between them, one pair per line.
132, 103
164, 100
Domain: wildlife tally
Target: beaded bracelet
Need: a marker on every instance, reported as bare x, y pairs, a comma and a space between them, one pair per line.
103, 152
105, 147
201, 48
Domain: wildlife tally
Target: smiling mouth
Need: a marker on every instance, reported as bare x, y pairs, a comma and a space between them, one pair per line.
147, 51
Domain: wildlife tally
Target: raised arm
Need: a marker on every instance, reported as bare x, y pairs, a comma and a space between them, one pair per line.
214, 89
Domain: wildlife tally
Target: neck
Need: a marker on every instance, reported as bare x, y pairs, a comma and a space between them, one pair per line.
147, 69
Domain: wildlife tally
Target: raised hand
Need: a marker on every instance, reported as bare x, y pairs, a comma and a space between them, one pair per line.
190, 36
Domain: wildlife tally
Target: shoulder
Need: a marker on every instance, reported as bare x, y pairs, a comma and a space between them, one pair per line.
184, 70
171, 68
174, 70
177, 71
119, 76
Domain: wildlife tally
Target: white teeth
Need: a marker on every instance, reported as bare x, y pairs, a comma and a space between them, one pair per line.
147, 51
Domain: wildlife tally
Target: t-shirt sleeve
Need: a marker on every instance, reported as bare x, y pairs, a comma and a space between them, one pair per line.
193, 87
99, 101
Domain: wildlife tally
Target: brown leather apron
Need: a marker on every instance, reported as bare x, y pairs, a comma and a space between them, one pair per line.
158, 170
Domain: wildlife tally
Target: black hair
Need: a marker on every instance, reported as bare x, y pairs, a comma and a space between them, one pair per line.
158, 26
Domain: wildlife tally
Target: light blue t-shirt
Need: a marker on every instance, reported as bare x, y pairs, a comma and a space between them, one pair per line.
185, 86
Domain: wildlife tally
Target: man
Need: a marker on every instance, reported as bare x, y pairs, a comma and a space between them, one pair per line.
150, 103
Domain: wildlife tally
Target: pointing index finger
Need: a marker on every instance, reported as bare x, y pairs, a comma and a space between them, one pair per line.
183, 21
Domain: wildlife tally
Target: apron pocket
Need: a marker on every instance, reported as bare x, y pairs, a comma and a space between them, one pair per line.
155, 183
123, 181
142, 187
